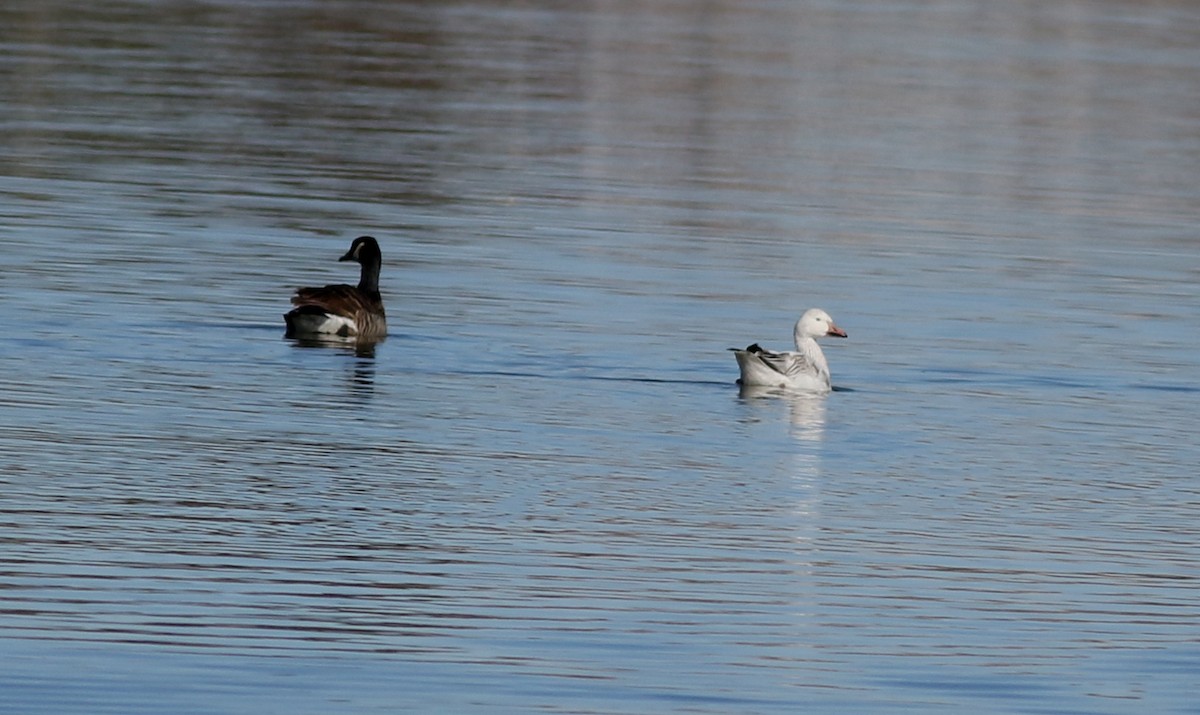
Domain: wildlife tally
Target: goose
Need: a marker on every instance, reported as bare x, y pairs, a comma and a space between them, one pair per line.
804, 370
343, 310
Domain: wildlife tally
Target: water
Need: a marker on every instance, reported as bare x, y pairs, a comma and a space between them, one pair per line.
543, 492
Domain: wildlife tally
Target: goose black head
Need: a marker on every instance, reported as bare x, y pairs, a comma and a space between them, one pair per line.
365, 249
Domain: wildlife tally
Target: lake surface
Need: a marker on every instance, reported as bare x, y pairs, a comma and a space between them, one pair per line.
544, 492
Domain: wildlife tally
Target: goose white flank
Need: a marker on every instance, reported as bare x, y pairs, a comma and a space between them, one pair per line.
343, 310
805, 369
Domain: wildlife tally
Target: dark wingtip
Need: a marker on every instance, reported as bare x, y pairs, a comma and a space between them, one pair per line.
751, 349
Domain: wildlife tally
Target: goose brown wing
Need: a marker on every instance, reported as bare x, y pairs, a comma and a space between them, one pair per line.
344, 300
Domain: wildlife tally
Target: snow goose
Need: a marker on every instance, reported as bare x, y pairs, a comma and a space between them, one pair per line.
804, 370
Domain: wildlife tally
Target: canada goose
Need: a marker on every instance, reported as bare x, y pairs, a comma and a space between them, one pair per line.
804, 369
343, 310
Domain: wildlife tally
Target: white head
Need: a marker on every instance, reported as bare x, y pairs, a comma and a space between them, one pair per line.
816, 323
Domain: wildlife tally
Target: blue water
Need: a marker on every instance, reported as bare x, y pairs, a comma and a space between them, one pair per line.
544, 492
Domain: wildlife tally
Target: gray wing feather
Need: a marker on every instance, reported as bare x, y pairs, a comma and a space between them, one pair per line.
786, 363
790, 364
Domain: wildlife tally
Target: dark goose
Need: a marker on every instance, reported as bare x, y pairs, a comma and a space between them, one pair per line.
343, 310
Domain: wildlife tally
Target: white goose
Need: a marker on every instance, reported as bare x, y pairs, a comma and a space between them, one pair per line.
804, 370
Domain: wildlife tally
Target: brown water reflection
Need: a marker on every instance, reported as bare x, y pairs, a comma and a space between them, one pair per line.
1070, 109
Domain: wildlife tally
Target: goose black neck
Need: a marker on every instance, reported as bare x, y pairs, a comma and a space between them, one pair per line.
369, 280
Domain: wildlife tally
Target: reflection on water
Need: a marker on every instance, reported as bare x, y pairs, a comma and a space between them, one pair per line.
360, 371
804, 414
544, 491
363, 348
806, 411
